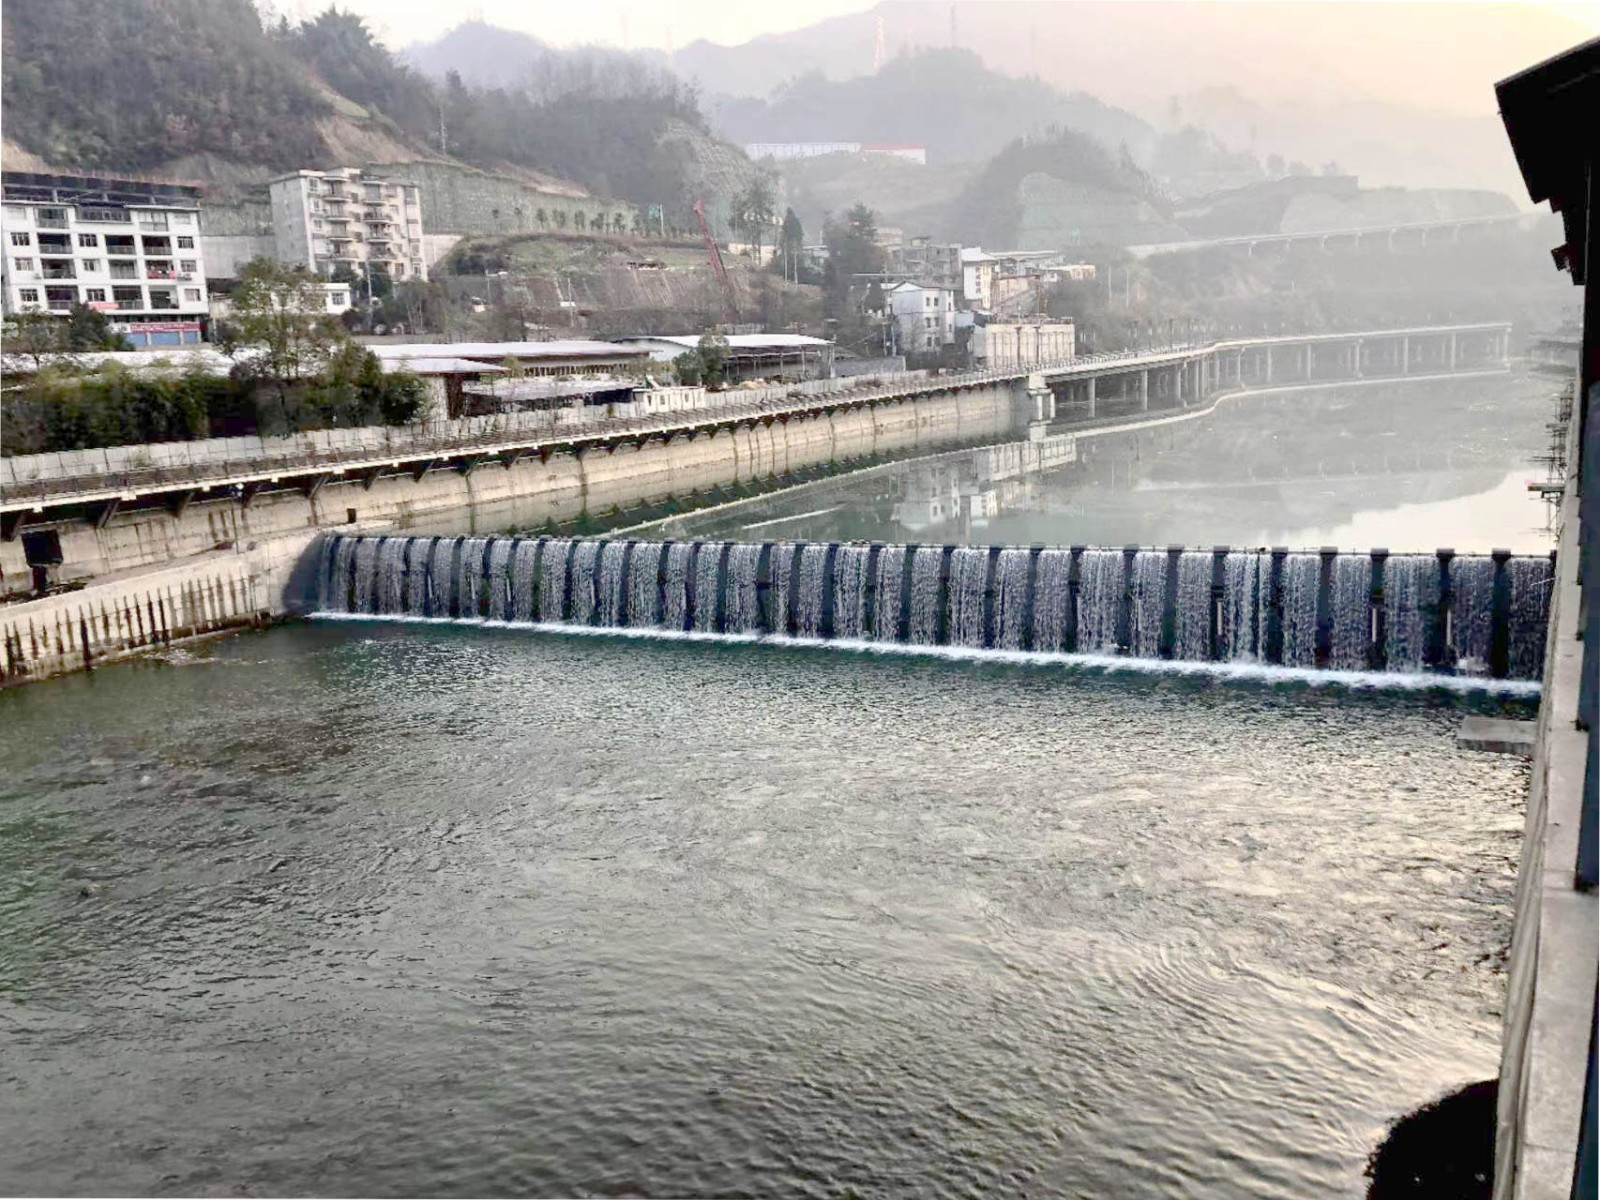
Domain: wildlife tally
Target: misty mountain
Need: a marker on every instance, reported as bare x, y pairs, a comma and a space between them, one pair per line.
944, 99
492, 57
1410, 75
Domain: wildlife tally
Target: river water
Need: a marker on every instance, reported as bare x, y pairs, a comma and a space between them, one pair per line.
363, 908
381, 909
1407, 467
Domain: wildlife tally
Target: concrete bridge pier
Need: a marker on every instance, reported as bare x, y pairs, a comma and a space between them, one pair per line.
1090, 389
1144, 390
1268, 378
1405, 355
1452, 343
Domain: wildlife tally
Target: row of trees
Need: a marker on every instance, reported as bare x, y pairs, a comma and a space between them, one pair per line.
294, 369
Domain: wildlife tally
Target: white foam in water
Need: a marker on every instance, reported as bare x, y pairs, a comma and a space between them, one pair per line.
608, 591
1110, 664
1052, 593
1302, 576
809, 593
1410, 609
927, 562
850, 565
553, 579
887, 593
743, 602
417, 577
644, 586
1011, 572
675, 586
1242, 634
1102, 591
707, 586
780, 574
1192, 636
1350, 644
1149, 604
969, 577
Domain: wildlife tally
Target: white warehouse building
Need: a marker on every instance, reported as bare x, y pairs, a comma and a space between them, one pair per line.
127, 248
331, 219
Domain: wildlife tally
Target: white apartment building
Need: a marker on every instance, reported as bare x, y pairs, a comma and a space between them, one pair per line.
924, 315
127, 248
331, 219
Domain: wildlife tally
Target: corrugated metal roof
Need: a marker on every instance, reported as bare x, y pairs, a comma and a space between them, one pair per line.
739, 341
499, 350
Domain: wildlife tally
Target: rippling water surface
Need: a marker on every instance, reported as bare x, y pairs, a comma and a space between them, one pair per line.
379, 909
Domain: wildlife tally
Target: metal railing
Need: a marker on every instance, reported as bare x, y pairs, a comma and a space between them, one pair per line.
163, 466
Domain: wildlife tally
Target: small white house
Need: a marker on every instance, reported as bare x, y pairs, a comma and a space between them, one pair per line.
924, 316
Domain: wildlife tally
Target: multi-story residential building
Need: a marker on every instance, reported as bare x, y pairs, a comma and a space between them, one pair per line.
924, 315
925, 259
127, 248
341, 218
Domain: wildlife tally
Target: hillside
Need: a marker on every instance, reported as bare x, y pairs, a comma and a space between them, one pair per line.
200, 90
946, 100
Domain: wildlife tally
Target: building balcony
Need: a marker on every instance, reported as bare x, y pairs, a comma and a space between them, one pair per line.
58, 273
154, 224
52, 223
160, 273
124, 271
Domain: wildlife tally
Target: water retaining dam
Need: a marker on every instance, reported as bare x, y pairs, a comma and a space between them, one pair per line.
1439, 613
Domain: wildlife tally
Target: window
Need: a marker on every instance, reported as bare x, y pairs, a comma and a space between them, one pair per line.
60, 297
89, 240
29, 295
185, 243
338, 299
183, 218
54, 218
15, 212
187, 265
192, 295
22, 264
22, 239
91, 264
94, 295
316, 223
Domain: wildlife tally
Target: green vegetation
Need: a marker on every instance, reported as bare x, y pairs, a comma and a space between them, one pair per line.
123, 86
296, 369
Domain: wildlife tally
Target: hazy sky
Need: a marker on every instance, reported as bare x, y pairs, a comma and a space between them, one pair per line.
662, 24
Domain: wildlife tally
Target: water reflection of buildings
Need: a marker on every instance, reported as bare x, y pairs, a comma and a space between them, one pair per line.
968, 490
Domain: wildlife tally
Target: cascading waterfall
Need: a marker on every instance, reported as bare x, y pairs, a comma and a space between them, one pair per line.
850, 565
1350, 636
927, 567
675, 586
441, 577
1148, 609
524, 580
1410, 609
1301, 581
888, 590
1192, 612
553, 579
581, 582
1102, 594
390, 595
1529, 581
1241, 632
969, 577
810, 591
644, 585
499, 579
1469, 615
1012, 573
743, 590
1052, 600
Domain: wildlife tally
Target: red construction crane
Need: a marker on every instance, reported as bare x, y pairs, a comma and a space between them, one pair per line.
730, 310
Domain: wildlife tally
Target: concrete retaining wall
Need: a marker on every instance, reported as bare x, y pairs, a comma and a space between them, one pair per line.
492, 496
148, 610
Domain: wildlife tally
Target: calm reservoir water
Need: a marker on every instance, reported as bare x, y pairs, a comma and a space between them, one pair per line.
1408, 467
379, 909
